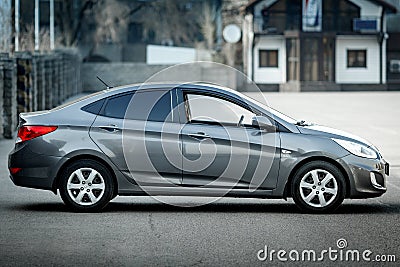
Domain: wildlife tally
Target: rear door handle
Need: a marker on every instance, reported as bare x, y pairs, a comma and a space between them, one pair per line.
199, 135
110, 128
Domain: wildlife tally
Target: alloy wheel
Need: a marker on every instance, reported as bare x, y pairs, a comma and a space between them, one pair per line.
85, 186
318, 188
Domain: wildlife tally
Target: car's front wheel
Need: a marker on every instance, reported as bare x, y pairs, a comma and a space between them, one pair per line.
318, 187
86, 185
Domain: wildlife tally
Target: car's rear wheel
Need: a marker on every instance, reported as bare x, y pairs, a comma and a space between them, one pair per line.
86, 185
318, 186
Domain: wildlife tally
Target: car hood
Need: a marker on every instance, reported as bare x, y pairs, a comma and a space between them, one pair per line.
331, 133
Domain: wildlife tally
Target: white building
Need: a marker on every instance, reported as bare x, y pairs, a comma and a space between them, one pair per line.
293, 45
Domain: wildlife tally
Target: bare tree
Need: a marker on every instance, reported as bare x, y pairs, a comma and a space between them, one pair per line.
70, 22
109, 17
165, 20
5, 25
171, 20
111, 22
27, 39
207, 23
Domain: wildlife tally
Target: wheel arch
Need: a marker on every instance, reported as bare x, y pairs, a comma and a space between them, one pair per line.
56, 183
287, 192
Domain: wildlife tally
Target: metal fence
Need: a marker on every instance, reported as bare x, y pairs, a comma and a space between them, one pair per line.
32, 82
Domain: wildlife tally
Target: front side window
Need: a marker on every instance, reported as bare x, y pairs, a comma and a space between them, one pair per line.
268, 58
214, 110
356, 58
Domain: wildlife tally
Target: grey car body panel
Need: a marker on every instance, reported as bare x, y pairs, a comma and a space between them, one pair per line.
48, 153
332, 133
112, 145
43, 157
128, 143
257, 149
359, 170
241, 153
301, 147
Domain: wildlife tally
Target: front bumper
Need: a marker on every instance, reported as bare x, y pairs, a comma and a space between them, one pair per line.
367, 177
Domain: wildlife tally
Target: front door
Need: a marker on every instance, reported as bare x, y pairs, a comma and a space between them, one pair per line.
220, 147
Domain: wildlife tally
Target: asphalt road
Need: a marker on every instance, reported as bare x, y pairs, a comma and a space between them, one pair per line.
36, 228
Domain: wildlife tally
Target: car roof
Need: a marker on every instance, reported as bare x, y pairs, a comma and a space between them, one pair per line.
159, 85
150, 86
146, 86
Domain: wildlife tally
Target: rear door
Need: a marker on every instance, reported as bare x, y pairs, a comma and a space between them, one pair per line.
136, 130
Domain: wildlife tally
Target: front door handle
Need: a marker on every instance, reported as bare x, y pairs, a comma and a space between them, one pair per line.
199, 135
110, 128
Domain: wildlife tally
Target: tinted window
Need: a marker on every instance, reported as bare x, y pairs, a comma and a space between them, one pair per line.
116, 106
94, 107
151, 106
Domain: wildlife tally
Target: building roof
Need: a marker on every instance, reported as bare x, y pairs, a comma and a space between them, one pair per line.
383, 3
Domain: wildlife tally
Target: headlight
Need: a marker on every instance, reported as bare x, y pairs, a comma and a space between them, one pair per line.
357, 149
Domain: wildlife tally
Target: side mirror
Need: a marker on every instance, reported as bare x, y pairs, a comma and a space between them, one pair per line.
263, 123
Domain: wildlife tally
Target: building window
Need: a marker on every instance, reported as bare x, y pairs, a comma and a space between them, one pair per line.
356, 58
268, 58
135, 31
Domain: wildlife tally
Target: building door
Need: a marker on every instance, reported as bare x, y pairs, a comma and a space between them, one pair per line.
310, 59
328, 65
293, 59
318, 54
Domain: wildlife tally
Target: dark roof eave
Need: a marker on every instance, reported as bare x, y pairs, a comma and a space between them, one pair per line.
383, 3
386, 5
250, 4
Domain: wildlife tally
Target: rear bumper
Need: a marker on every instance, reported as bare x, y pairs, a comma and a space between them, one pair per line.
32, 182
37, 171
367, 176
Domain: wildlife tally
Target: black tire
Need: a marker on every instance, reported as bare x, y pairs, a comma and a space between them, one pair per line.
309, 199
102, 178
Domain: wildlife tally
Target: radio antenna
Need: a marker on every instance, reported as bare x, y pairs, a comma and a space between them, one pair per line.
103, 82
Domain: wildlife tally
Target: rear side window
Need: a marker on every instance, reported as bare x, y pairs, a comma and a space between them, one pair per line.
94, 107
144, 106
116, 106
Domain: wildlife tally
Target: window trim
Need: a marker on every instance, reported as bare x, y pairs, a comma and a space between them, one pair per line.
219, 96
356, 51
181, 91
268, 51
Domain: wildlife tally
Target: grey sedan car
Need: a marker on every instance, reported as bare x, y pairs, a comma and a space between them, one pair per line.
193, 140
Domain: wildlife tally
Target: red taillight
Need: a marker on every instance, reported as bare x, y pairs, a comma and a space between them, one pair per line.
26, 133
14, 170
